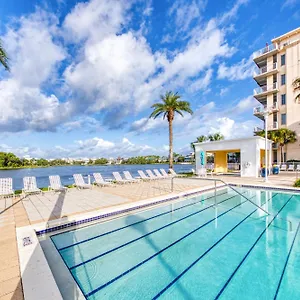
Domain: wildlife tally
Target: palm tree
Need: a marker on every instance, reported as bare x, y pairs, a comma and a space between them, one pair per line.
216, 137
296, 85
285, 136
199, 139
281, 137
168, 107
3, 57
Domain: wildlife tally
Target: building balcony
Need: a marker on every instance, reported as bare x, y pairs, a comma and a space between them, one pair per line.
265, 90
263, 72
273, 126
265, 52
261, 111
257, 129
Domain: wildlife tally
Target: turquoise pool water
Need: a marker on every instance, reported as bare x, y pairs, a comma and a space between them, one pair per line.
192, 250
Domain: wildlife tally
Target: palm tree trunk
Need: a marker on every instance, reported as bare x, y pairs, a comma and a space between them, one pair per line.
281, 153
171, 144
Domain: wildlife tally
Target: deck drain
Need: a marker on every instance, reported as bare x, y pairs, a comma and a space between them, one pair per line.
27, 241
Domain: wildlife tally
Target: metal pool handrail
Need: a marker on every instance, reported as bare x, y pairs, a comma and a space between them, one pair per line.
226, 184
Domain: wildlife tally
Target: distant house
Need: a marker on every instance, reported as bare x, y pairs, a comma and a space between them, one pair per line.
190, 157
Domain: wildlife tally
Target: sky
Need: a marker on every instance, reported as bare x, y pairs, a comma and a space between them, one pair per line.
84, 74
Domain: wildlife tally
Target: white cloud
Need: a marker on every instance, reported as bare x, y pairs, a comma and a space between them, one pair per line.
289, 3
114, 66
245, 104
94, 147
240, 71
233, 11
23, 104
125, 76
95, 19
86, 123
224, 91
201, 83
106, 66
185, 13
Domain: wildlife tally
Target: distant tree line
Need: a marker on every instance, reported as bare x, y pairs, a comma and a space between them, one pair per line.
10, 160
142, 160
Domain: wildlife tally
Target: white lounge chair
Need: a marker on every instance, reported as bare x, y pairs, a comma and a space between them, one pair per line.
6, 188
173, 173
79, 182
291, 168
144, 176
151, 175
298, 168
128, 176
55, 184
100, 181
119, 178
283, 167
30, 186
163, 171
159, 175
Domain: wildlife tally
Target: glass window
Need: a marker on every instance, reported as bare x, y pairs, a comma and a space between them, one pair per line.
283, 79
283, 59
283, 99
283, 119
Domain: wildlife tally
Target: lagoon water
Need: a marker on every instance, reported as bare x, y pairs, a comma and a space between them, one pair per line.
66, 172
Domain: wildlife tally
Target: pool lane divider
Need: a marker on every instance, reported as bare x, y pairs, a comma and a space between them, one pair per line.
164, 249
149, 233
286, 262
139, 222
249, 251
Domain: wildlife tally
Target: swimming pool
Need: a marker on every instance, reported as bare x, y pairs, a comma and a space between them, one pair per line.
191, 250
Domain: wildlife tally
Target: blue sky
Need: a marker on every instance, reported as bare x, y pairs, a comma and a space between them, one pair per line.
85, 73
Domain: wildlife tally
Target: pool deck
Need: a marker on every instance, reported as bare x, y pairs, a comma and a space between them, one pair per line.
19, 212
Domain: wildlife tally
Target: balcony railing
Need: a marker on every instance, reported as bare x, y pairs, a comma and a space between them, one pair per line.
274, 107
265, 50
257, 129
261, 110
265, 69
265, 88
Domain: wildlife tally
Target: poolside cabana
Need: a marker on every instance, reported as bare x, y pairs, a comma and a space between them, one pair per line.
251, 149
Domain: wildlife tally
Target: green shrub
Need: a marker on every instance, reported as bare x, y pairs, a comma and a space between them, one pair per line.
297, 183
18, 192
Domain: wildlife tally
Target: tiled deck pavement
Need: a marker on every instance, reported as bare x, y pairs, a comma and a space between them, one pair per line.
14, 216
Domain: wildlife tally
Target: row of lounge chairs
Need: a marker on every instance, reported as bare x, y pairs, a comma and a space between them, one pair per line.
30, 185
284, 167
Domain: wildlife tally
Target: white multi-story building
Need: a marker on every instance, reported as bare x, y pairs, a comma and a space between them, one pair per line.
278, 65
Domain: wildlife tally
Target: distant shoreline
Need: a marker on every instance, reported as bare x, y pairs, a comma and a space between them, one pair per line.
88, 165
